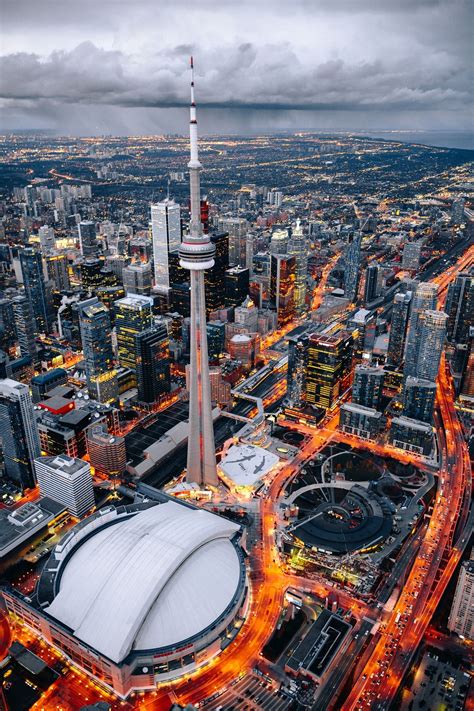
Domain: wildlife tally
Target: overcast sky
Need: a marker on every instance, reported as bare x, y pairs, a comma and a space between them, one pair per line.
121, 66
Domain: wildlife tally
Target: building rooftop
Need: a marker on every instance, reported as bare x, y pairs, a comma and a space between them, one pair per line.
16, 527
146, 581
66, 467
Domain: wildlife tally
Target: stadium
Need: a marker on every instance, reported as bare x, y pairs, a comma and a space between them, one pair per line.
141, 593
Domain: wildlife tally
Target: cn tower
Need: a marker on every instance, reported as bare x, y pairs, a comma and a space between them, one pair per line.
197, 254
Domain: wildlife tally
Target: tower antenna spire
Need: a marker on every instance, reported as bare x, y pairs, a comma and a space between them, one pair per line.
197, 254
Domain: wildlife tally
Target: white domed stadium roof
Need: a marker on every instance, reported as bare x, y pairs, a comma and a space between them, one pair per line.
149, 580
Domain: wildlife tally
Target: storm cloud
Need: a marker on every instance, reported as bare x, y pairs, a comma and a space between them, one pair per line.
75, 67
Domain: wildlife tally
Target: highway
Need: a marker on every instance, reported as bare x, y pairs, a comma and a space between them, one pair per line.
438, 556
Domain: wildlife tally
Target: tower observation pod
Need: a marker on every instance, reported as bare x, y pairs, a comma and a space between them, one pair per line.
197, 254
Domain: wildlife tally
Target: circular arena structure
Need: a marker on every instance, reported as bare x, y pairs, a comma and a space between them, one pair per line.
338, 518
140, 594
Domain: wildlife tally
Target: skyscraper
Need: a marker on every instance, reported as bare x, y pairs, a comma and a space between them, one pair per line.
236, 227
457, 211
68, 481
35, 288
419, 399
137, 278
166, 233
24, 325
295, 379
279, 241
367, 386
461, 617
18, 432
282, 286
373, 279
460, 308
352, 266
197, 255
298, 248
432, 334
152, 363
411, 255
424, 299
214, 278
398, 328
88, 239
328, 364
133, 315
236, 285
57, 270
94, 319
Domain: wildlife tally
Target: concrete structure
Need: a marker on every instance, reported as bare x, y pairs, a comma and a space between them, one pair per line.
197, 254
411, 255
24, 523
298, 248
140, 594
166, 233
425, 298
246, 464
461, 617
107, 452
67, 481
359, 420
419, 399
96, 336
133, 315
367, 386
88, 239
352, 266
398, 328
18, 433
411, 435
431, 335
137, 278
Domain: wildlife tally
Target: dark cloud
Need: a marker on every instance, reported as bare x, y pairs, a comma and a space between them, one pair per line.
367, 57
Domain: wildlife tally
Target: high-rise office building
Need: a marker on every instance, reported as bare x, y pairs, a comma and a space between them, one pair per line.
7, 326
352, 266
88, 239
282, 287
398, 328
47, 239
424, 299
411, 255
295, 379
461, 617
467, 376
133, 315
18, 433
57, 271
96, 336
24, 326
327, 369
279, 241
367, 386
215, 339
197, 255
373, 283
460, 308
214, 278
166, 234
236, 285
35, 288
236, 227
152, 363
298, 248
68, 481
137, 278
106, 451
419, 399
457, 211
91, 274
432, 335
